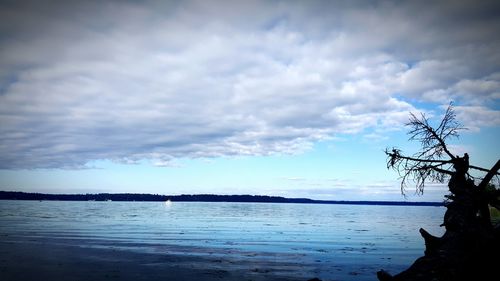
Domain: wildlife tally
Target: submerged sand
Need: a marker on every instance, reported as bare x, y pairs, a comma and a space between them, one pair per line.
36, 259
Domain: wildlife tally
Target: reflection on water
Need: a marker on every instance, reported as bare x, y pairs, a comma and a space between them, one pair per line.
328, 241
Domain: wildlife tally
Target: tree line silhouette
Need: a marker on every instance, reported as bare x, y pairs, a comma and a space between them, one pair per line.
14, 195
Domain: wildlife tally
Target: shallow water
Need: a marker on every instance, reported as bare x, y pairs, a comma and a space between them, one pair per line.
332, 242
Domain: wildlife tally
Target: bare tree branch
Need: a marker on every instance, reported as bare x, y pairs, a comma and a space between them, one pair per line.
471, 237
434, 161
491, 173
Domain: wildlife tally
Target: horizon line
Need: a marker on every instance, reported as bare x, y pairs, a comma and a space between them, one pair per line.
236, 198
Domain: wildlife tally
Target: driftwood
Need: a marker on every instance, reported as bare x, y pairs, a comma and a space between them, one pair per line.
469, 248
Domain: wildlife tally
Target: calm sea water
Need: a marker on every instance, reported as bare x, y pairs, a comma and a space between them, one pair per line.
332, 242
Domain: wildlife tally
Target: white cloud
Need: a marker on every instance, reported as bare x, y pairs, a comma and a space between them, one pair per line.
378, 190
475, 117
161, 81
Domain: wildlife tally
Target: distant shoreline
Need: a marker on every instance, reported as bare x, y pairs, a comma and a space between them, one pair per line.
17, 195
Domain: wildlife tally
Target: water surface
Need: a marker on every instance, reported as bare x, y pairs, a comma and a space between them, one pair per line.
332, 242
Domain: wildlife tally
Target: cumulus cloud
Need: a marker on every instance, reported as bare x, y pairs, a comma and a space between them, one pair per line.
475, 117
84, 81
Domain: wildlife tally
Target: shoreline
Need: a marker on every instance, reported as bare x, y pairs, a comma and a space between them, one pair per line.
37, 259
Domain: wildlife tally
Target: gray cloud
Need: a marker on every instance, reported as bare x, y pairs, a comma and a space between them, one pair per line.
84, 81
475, 117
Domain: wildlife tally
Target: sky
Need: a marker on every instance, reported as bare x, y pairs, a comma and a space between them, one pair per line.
285, 98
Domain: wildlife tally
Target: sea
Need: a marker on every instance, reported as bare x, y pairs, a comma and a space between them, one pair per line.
328, 241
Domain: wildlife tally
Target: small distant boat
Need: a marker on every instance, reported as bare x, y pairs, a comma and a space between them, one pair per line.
168, 202
108, 200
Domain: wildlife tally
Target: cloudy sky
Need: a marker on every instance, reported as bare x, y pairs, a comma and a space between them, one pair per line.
289, 98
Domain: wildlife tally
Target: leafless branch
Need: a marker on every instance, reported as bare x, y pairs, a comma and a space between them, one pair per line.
434, 161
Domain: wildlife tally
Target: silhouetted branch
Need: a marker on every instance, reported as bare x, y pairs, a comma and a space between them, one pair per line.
433, 161
434, 140
484, 170
416, 169
465, 249
491, 173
